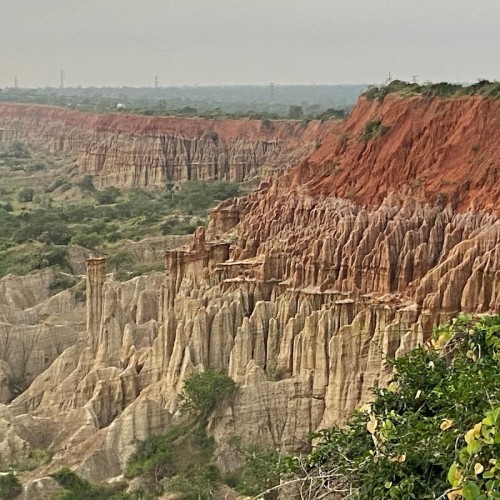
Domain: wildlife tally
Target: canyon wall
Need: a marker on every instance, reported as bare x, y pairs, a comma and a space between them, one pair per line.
302, 292
139, 151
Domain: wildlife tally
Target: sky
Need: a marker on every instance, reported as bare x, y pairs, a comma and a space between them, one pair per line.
211, 42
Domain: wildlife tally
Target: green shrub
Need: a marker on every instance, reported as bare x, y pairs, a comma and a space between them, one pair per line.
50, 256
179, 461
10, 487
61, 282
373, 128
108, 196
441, 89
205, 391
87, 184
34, 167
34, 459
17, 384
260, 472
176, 226
25, 195
77, 488
87, 240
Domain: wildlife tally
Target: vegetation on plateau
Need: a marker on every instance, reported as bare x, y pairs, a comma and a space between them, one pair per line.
45, 207
443, 89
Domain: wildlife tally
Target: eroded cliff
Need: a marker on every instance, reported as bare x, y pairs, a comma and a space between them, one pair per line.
138, 151
300, 294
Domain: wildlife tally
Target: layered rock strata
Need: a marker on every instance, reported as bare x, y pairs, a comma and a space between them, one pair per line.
300, 295
138, 151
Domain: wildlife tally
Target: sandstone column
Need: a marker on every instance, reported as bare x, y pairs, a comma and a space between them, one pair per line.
96, 276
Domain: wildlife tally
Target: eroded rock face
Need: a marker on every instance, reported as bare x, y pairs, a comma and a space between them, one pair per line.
35, 328
301, 297
137, 151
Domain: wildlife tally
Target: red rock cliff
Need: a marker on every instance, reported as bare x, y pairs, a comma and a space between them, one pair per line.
433, 149
139, 151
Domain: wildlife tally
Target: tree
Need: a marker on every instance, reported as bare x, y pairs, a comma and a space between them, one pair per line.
87, 184
25, 195
10, 487
203, 392
295, 112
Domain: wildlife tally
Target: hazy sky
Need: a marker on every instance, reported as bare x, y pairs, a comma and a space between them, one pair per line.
127, 42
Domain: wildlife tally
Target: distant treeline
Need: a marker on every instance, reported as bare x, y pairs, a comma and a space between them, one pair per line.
245, 101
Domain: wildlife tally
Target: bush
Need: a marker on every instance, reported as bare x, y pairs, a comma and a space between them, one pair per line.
49, 256
204, 391
25, 195
10, 487
61, 282
176, 226
87, 184
55, 237
87, 240
373, 128
261, 471
108, 196
76, 488
34, 167
180, 460
35, 458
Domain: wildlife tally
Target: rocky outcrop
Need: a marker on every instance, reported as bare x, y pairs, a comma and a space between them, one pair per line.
138, 151
35, 328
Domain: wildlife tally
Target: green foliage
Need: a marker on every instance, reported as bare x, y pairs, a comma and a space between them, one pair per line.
10, 487
87, 240
442, 89
261, 471
205, 391
176, 226
196, 197
101, 221
476, 473
34, 459
87, 184
51, 256
61, 282
373, 128
17, 384
77, 488
408, 443
15, 150
25, 195
295, 112
182, 459
108, 196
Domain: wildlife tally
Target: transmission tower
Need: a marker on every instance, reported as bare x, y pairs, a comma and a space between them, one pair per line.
61, 82
414, 79
156, 82
16, 82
